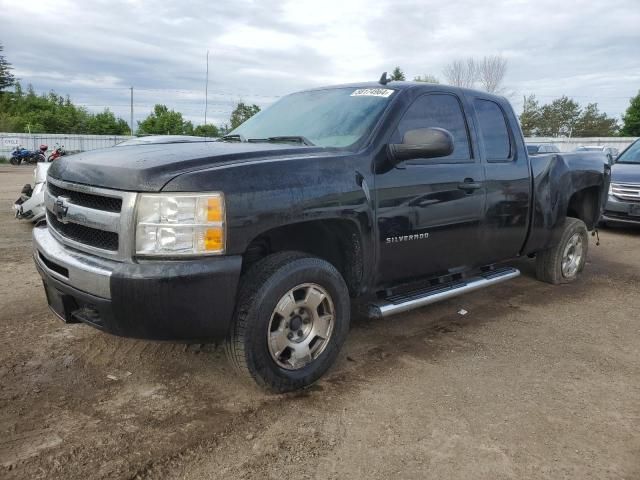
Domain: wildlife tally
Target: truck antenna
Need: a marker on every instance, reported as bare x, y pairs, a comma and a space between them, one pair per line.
383, 79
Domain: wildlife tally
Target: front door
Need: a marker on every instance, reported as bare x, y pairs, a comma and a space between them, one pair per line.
430, 211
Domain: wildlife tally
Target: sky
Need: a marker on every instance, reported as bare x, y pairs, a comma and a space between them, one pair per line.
94, 50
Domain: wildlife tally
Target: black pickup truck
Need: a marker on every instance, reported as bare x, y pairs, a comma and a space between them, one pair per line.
395, 195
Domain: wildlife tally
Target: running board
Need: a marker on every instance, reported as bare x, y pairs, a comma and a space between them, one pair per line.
419, 298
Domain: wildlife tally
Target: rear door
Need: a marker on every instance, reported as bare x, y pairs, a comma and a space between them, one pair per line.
507, 182
429, 211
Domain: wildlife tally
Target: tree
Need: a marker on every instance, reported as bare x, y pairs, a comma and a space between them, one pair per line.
426, 78
397, 75
592, 123
530, 116
106, 123
461, 73
163, 121
207, 130
242, 113
559, 118
631, 118
490, 72
565, 117
6, 77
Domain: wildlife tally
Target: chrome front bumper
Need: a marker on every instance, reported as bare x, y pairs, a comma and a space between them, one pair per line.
78, 270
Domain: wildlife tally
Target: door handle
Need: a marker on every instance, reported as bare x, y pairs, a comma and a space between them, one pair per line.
469, 185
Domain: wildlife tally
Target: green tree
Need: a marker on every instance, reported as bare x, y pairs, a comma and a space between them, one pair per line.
106, 123
206, 131
426, 78
592, 123
242, 113
163, 121
397, 74
631, 118
559, 118
6, 77
530, 116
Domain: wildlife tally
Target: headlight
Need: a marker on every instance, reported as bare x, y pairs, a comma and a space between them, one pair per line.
180, 224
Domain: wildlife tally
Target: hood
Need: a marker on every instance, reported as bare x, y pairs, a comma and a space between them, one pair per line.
625, 173
147, 168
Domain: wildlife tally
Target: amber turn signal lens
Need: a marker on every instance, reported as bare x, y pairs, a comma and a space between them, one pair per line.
213, 239
214, 209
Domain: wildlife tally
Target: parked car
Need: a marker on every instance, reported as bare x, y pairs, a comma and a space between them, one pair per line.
610, 152
623, 205
393, 195
30, 203
541, 148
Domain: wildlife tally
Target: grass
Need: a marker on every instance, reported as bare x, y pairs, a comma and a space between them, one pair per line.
4, 159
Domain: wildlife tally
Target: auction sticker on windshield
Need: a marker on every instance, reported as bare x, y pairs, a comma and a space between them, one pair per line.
372, 92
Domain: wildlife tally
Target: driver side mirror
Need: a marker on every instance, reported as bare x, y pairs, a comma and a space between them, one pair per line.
429, 142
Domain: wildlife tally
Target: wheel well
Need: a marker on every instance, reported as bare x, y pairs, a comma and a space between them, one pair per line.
336, 241
585, 205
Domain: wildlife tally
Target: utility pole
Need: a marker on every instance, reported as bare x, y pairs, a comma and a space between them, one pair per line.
131, 88
206, 91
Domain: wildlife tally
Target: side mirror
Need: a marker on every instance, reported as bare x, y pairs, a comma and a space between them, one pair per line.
422, 143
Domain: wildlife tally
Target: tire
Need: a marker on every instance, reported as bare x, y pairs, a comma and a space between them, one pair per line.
257, 321
556, 265
15, 161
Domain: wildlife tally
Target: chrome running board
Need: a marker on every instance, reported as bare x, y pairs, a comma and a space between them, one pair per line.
419, 298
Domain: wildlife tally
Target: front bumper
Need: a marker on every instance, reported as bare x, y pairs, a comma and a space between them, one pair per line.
622, 211
188, 300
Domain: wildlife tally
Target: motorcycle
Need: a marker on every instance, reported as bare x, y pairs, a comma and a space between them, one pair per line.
58, 152
18, 155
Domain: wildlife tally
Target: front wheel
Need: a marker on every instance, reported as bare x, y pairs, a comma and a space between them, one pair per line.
564, 261
15, 161
291, 320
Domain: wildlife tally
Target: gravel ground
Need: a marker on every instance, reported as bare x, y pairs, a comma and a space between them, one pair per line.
536, 381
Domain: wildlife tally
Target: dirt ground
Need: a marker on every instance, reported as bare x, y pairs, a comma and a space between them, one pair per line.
536, 382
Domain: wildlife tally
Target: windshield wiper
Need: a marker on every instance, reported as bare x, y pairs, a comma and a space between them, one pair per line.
234, 137
284, 139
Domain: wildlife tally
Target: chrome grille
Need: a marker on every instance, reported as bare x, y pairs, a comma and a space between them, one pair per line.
86, 235
91, 219
98, 202
626, 191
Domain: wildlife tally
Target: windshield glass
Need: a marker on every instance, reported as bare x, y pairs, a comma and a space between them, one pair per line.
631, 154
336, 117
532, 149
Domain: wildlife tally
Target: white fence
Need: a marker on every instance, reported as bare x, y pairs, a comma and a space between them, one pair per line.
8, 141
570, 144
72, 143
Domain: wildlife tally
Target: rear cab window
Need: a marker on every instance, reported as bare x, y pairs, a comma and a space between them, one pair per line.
493, 130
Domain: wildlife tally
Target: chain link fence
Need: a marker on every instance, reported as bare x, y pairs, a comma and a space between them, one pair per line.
71, 143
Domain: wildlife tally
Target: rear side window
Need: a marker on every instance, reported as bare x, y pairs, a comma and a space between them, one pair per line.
443, 111
493, 130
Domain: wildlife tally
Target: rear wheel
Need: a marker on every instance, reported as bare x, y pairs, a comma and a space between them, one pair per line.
292, 318
564, 261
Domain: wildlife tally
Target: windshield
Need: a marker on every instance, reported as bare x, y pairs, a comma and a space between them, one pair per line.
631, 154
336, 117
532, 149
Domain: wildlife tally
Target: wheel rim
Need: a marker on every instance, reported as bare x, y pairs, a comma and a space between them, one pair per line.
572, 256
300, 327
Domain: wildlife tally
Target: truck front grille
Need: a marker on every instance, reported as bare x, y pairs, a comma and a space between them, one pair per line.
626, 191
85, 235
89, 200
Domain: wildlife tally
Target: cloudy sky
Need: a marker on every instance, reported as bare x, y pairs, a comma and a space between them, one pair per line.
94, 50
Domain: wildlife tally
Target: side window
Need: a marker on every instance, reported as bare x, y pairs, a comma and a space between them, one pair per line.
493, 130
443, 111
